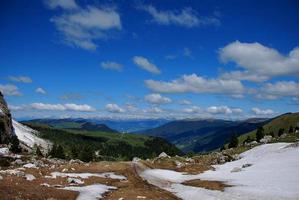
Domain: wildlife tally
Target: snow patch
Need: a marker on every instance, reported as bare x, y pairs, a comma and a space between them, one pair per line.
91, 192
4, 151
29, 136
87, 175
272, 175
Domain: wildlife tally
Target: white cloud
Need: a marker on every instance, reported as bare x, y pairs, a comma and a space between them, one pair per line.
185, 102
10, 90
153, 110
278, 90
62, 107
22, 79
40, 91
193, 109
145, 64
187, 17
197, 84
64, 4
157, 99
259, 111
114, 108
111, 65
223, 110
259, 62
15, 108
84, 26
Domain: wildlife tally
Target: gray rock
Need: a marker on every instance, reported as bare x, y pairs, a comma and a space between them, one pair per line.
29, 177
246, 165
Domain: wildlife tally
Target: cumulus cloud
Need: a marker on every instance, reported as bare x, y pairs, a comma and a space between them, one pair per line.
40, 91
197, 84
21, 79
82, 27
193, 109
10, 90
223, 110
114, 108
187, 17
62, 107
145, 64
157, 99
64, 4
278, 90
185, 102
259, 111
259, 62
111, 65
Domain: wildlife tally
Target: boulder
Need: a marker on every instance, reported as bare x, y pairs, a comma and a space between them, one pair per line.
29, 177
266, 139
136, 159
4, 151
163, 155
75, 181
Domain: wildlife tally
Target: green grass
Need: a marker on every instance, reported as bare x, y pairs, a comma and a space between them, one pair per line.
283, 121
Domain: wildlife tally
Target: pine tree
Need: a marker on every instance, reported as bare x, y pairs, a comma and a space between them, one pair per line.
233, 141
222, 148
280, 132
260, 133
86, 154
60, 152
291, 129
15, 148
248, 140
38, 152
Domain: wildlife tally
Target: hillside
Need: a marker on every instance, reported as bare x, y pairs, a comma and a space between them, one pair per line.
109, 146
76, 124
203, 135
284, 121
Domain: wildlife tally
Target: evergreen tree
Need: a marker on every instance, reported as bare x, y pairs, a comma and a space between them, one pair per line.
272, 134
74, 152
260, 133
15, 148
233, 141
280, 132
60, 152
248, 140
86, 154
291, 129
53, 151
222, 148
38, 152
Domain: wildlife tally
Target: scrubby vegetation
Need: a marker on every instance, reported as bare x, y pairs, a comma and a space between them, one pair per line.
90, 145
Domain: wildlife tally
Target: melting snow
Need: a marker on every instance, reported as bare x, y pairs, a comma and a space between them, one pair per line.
28, 136
87, 175
272, 175
91, 192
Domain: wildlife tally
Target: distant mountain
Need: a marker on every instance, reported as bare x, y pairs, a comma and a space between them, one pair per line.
203, 135
127, 126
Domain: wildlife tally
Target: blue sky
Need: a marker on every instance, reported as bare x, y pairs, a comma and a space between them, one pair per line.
149, 59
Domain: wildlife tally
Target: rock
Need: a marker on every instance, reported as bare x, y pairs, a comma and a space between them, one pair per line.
293, 145
30, 165
45, 184
1, 177
18, 162
65, 170
29, 177
136, 159
75, 161
13, 172
266, 139
6, 128
236, 169
163, 155
190, 160
246, 165
4, 151
283, 135
75, 181
39, 163
121, 198
178, 164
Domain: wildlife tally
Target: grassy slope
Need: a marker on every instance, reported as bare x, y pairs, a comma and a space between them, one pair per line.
283, 121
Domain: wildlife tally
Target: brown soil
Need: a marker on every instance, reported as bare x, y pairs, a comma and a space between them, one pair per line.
211, 185
13, 187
